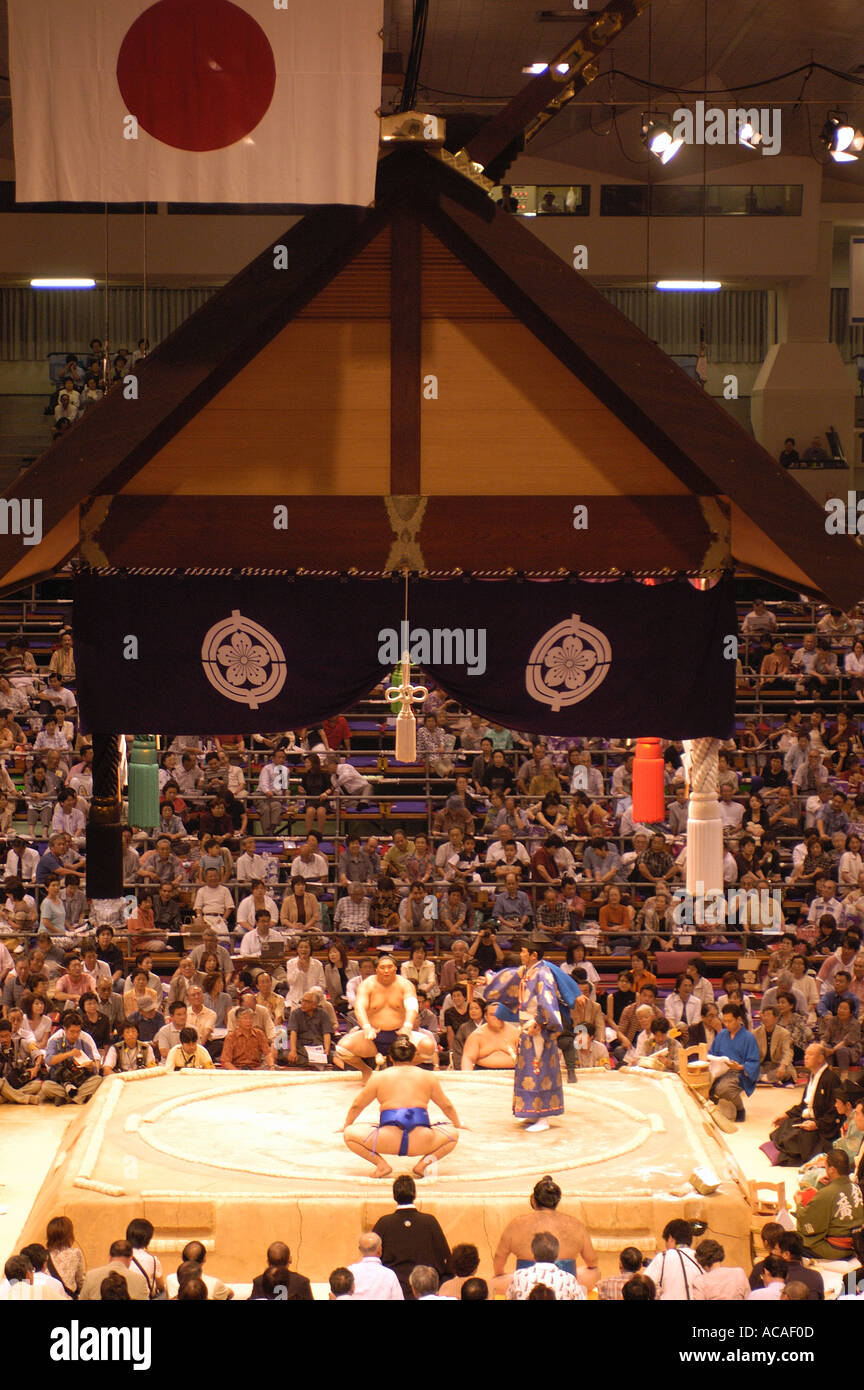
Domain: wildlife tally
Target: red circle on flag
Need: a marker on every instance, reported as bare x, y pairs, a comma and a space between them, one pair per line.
196, 74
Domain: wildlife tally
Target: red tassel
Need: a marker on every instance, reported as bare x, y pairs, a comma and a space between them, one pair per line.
648, 785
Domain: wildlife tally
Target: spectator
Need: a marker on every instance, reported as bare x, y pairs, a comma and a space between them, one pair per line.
815, 455
789, 456
373, 1281
195, 1253
246, 1047
739, 1076
773, 1281
410, 1237
188, 1052
297, 1288
544, 1270
720, 1283
341, 1285
74, 1065
676, 1273
812, 1123
776, 1067
119, 1262
309, 1034
611, 1289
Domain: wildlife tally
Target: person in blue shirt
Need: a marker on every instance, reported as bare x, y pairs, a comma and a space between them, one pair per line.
839, 990
74, 1066
740, 1047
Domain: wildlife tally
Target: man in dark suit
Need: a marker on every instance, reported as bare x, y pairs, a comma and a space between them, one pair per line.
813, 1124
410, 1237
297, 1286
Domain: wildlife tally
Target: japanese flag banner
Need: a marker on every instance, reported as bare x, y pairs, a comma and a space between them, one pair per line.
196, 101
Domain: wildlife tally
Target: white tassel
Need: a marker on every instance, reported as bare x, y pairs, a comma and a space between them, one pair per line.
406, 736
406, 724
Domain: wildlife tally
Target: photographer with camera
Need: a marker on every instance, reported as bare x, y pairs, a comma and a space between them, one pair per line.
19, 1072
72, 1059
484, 949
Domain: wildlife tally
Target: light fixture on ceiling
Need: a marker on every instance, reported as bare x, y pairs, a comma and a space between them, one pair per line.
67, 282
535, 69
658, 138
842, 140
688, 285
749, 136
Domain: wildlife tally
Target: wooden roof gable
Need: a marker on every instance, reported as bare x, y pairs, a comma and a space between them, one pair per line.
777, 528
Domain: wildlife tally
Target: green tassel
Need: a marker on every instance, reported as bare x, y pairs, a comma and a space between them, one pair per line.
144, 782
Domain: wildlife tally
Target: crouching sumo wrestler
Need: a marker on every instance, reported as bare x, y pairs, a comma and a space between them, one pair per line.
386, 1007
403, 1094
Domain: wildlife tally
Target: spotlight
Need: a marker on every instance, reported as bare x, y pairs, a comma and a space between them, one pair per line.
749, 136
658, 138
842, 140
535, 69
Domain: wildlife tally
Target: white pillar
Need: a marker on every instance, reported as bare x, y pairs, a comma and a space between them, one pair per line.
704, 826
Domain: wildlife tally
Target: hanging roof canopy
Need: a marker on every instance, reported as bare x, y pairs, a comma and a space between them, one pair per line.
420, 384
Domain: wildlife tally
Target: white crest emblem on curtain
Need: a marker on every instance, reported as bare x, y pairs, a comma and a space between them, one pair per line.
567, 664
243, 661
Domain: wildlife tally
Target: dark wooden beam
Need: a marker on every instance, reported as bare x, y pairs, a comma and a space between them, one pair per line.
549, 92
405, 348
492, 533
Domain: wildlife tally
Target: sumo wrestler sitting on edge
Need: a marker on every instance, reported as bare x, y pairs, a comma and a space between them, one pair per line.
492, 1045
386, 1006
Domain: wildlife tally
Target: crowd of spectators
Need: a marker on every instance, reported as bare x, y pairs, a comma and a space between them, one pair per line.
240, 942
814, 456
407, 1256
84, 379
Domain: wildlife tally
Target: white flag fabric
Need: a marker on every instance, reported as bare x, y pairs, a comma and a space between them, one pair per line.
208, 101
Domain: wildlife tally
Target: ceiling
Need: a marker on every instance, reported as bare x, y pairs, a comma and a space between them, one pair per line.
475, 50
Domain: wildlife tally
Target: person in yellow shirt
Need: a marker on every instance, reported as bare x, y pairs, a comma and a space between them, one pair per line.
187, 1053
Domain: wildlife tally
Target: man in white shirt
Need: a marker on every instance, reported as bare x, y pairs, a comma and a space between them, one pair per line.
213, 901
811, 774
273, 782
19, 1284
566, 1287
195, 1253
495, 852
259, 900
825, 901
198, 1016
261, 938
759, 621
373, 1281
250, 865
347, 781
424, 1285
308, 863
773, 1281
675, 1271
20, 862
38, 1257
68, 820
65, 409
731, 812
